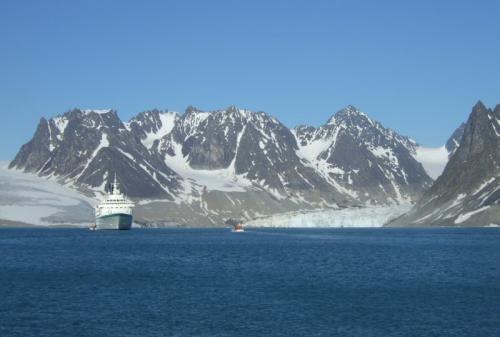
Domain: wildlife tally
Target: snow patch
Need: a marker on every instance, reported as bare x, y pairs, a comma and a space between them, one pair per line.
61, 123
225, 180
466, 216
433, 159
312, 150
167, 120
483, 185
97, 111
385, 153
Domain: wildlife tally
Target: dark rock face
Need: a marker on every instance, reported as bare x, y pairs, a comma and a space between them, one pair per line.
454, 141
89, 148
371, 162
214, 144
468, 191
34, 155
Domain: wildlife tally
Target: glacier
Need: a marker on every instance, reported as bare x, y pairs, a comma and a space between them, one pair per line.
433, 159
375, 216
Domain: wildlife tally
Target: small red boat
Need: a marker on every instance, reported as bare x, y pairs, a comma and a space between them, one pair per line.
236, 224
238, 228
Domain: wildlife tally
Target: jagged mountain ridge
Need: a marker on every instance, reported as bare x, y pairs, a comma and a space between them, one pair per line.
468, 191
88, 148
209, 161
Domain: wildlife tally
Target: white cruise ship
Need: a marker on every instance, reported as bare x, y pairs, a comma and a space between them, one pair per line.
115, 210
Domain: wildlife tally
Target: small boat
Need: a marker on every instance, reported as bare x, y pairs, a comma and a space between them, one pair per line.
238, 228
236, 224
93, 227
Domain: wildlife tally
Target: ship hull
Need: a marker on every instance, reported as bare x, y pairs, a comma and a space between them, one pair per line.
114, 221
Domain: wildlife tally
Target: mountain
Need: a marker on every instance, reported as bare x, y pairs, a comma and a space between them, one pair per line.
200, 167
468, 191
248, 149
363, 159
87, 148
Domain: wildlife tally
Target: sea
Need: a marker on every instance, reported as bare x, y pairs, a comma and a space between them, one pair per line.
263, 282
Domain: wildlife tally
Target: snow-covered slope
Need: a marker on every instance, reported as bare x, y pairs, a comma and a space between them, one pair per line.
30, 199
433, 159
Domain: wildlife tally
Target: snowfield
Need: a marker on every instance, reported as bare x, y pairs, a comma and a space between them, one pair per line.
433, 159
33, 200
348, 217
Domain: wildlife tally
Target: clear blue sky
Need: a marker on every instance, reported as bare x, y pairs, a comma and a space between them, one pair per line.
416, 66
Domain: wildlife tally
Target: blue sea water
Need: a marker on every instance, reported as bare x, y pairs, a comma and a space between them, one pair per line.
211, 282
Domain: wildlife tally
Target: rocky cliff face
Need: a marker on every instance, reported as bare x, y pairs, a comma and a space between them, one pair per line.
230, 162
468, 191
454, 141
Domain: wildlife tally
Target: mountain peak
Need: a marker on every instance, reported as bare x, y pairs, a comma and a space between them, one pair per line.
232, 108
148, 114
497, 109
347, 113
479, 106
192, 109
480, 112
352, 108
349, 110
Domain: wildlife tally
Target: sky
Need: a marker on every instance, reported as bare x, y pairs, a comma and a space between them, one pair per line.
418, 67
